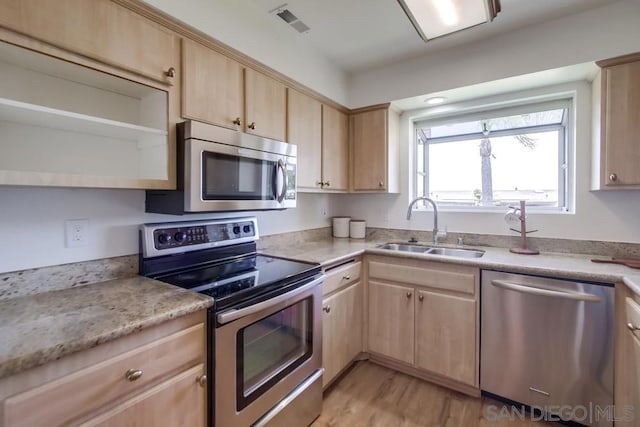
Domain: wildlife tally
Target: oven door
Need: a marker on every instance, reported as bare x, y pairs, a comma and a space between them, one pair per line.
263, 352
229, 177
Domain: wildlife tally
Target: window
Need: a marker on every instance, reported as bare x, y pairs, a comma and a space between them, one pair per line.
495, 158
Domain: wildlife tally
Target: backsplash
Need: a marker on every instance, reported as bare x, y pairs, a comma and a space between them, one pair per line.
27, 282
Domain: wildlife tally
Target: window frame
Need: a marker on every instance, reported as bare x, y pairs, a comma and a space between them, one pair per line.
566, 152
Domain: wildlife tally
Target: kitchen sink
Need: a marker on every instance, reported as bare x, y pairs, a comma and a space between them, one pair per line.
429, 250
404, 247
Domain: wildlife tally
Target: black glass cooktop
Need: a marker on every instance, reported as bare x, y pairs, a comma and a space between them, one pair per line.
242, 278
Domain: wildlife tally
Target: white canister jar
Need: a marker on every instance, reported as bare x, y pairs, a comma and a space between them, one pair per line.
341, 226
357, 229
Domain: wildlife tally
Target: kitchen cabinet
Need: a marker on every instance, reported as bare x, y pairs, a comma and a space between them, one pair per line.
90, 97
304, 129
618, 95
321, 134
335, 149
152, 377
627, 357
342, 322
98, 29
374, 150
265, 103
424, 319
212, 86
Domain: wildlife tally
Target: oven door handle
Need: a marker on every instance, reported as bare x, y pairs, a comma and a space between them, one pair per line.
233, 314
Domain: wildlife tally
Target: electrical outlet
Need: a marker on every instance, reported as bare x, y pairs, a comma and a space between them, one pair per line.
76, 232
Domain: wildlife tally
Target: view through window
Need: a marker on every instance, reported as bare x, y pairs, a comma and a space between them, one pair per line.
495, 159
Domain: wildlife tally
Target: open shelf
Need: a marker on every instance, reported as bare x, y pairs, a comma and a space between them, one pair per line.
37, 115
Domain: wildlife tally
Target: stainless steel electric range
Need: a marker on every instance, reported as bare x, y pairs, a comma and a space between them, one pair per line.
264, 329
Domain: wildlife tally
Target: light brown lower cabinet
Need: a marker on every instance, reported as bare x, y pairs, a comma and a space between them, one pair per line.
152, 377
342, 330
627, 358
423, 318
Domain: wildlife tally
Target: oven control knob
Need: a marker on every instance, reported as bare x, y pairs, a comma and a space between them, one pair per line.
164, 238
180, 236
236, 229
246, 229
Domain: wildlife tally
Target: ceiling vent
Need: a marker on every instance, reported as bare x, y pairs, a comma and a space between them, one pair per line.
285, 14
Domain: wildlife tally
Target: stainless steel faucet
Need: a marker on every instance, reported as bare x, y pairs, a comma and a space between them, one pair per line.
435, 232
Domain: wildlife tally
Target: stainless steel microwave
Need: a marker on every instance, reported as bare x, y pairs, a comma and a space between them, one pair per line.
220, 169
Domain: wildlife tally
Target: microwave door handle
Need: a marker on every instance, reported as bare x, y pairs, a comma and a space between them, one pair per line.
283, 169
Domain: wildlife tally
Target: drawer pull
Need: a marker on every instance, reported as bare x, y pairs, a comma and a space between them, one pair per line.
633, 327
202, 380
347, 277
133, 374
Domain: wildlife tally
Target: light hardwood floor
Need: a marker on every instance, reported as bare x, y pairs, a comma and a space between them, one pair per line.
371, 395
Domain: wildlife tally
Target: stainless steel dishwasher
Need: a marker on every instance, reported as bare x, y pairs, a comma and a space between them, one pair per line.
548, 344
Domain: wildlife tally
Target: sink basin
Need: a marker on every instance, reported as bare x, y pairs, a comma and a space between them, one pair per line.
448, 252
458, 253
404, 247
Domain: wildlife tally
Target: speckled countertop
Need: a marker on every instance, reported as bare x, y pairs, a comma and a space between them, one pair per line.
39, 328
577, 267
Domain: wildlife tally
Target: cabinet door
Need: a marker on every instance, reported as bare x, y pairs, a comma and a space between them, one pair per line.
335, 149
265, 105
621, 126
369, 144
98, 29
341, 330
391, 321
211, 86
627, 358
178, 401
304, 129
446, 336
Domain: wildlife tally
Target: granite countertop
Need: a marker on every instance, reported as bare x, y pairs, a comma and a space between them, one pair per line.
577, 267
43, 327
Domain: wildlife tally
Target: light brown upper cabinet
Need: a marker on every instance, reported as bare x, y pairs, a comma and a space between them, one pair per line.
211, 86
98, 29
265, 105
374, 150
619, 124
335, 149
304, 129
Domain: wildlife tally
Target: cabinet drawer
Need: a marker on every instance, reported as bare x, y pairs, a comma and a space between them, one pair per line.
341, 276
455, 278
91, 388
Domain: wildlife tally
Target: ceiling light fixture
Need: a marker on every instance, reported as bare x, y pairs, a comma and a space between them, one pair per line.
435, 100
436, 18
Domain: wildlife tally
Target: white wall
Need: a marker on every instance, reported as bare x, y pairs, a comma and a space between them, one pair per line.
32, 223
611, 216
243, 26
595, 34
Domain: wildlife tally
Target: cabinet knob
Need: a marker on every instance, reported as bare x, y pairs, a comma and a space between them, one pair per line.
633, 327
613, 177
327, 184
237, 121
421, 297
171, 72
409, 294
252, 126
201, 380
320, 183
133, 374
381, 184
326, 309
347, 277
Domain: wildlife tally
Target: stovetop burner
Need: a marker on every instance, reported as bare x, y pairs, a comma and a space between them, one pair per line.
221, 262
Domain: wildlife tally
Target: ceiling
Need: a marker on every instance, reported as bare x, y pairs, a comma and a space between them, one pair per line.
363, 34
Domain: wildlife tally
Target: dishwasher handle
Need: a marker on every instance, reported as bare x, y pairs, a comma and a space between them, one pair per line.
545, 292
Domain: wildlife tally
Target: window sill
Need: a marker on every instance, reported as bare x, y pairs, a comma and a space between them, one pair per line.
501, 211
